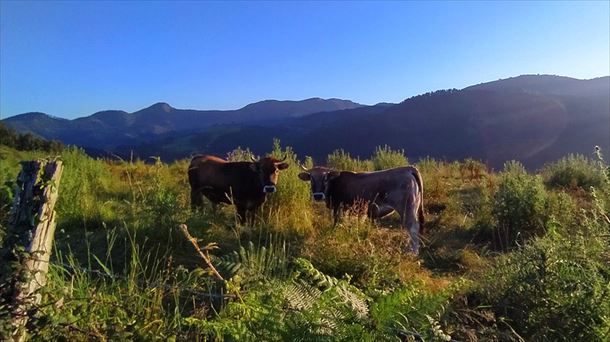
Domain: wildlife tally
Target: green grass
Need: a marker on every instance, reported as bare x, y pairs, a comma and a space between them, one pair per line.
121, 270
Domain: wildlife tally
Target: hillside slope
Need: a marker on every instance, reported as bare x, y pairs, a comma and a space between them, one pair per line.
534, 119
531, 118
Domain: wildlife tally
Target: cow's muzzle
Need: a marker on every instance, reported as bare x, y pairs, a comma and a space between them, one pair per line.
318, 196
269, 189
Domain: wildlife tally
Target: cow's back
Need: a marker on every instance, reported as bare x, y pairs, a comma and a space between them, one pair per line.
205, 170
217, 177
370, 185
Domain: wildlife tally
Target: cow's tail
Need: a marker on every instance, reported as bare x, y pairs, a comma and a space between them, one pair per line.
420, 211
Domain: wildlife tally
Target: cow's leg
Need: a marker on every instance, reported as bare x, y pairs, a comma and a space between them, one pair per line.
407, 209
413, 226
252, 216
336, 215
241, 214
196, 199
373, 212
377, 211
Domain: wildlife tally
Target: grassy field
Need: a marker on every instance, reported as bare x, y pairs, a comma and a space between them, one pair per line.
507, 256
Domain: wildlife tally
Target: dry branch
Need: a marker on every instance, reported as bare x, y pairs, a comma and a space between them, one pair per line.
203, 255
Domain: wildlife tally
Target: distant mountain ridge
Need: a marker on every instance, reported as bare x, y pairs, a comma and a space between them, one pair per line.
531, 118
548, 84
111, 128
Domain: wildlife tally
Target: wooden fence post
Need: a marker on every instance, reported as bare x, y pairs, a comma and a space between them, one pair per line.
27, 246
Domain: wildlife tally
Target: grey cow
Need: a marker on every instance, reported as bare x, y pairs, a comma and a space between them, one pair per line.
399, 189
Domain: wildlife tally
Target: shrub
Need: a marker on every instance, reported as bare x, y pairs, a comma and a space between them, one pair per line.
386, 158
574, 171
561, 211
519, 206
240, 154
341, 160
436, 190
472, 169
556, 288
484, 221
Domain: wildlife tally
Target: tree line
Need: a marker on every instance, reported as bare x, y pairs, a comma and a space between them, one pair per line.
27, 141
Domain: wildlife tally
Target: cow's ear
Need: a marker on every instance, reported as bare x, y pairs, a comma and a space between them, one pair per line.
305, 176
282, 166
254, 167
333, 174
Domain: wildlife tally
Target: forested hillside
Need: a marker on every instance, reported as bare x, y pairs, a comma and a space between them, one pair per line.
532, 118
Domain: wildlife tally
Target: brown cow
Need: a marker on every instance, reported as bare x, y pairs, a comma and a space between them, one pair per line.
399, 189
244, 184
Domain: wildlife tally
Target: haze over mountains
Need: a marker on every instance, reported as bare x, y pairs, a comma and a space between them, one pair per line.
531, 118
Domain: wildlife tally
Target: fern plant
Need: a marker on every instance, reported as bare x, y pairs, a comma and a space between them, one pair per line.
255, 263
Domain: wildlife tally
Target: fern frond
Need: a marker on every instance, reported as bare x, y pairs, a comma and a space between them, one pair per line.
307, 273
255, 263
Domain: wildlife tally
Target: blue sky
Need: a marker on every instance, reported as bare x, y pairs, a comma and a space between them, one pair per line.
72, 59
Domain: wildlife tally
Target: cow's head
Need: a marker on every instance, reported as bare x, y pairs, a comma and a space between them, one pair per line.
320, 178
268, 170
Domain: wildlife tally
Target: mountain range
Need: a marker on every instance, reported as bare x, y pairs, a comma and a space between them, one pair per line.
531, 118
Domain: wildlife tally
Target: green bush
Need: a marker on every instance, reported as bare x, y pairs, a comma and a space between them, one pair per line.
386, 158
556, 288
239, 154
562, 212
574, 171
472, 169
519, 207
341, 160
484, 220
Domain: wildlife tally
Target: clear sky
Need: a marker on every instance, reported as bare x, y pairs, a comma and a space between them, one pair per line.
72, 58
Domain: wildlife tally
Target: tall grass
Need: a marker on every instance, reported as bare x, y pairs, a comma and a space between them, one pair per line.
145, 301
289, 208
121, 272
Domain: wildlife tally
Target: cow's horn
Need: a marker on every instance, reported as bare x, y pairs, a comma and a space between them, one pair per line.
302, 167
253, 159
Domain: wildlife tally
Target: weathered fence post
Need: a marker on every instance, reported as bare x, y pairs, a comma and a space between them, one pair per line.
27, 245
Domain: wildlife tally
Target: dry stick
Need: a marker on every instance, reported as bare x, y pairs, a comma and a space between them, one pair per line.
205, 258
